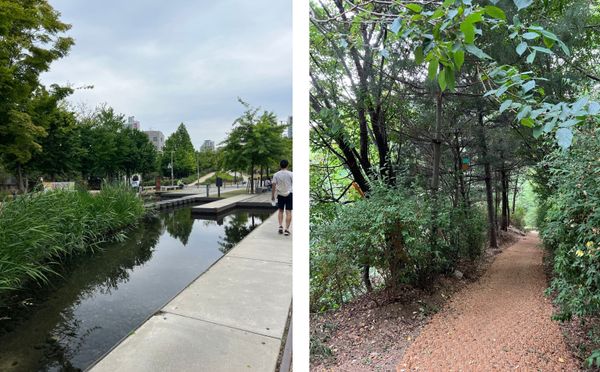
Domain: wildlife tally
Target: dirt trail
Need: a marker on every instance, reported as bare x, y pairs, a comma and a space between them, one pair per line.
502, 322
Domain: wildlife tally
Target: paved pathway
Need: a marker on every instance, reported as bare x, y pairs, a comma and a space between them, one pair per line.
232, 318
500, 323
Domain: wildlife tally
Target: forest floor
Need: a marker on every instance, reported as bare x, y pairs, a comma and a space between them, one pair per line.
495, 317
372, 332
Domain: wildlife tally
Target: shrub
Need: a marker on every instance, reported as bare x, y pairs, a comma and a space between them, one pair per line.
518, 218
38, 230
571, 226
391, 231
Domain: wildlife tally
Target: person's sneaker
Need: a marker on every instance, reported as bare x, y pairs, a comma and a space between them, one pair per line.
286, 233
281, 229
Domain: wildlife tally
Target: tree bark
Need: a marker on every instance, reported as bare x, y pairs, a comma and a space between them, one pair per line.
20, 177
514, 203
488, 183
367, 278
504, 193
437, 145
252, 179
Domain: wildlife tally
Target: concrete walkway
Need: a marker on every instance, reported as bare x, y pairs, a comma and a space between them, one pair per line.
232, 318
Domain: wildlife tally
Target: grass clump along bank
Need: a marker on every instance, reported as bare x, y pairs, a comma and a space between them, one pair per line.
39, 230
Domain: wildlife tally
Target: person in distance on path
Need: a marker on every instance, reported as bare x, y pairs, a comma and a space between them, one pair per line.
282, 186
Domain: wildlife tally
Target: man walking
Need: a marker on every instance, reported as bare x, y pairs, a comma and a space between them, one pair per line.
282, 186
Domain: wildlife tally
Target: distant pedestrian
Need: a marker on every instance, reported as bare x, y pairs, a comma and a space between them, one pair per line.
282, 186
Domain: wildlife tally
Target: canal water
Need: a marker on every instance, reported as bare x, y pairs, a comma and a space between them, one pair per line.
99, 299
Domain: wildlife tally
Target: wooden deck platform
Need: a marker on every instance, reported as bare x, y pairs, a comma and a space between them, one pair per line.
190, 199
239, 201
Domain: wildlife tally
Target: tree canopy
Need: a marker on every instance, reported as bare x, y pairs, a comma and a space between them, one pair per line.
256, 140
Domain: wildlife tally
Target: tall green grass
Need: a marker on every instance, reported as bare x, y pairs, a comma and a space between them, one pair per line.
39, 230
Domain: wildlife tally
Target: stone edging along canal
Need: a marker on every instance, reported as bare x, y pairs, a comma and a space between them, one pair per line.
232, 317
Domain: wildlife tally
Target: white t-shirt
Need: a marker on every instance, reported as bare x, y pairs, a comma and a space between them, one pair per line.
283, 182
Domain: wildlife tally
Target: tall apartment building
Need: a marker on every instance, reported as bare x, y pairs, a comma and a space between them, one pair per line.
208, 145
157, 138
132, 123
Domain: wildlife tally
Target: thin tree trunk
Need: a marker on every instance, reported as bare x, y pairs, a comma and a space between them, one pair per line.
514, 203
20, 177
367, 278
504, 197
488, 184
435, 179
252, 179
437, 145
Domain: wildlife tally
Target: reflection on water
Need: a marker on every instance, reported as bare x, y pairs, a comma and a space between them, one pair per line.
102, 297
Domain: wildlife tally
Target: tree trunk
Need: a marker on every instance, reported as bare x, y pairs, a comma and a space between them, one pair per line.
367, 278
252, 179
435, 179
514, 203
20, 177
437, 145
504, 191
488, 183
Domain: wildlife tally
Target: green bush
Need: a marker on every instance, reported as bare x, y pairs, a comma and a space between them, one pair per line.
38, 230
391, 231
518, 218
225, 176
571, 226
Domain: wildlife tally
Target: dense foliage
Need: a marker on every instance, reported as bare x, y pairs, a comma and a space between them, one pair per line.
571, 228
31, 38
256, 141
180, 151
38, 230
391, 233
448, 104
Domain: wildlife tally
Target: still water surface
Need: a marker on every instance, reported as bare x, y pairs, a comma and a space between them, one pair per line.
101, 298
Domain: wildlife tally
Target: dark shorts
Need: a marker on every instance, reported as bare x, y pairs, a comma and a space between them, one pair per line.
284, 201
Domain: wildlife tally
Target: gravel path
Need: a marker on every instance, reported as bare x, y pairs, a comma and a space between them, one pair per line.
502, 322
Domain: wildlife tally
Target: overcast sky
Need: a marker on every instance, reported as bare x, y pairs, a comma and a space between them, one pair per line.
167, 62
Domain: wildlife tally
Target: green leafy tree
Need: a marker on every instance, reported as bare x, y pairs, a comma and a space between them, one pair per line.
61, 152
179, 147
101, 140
255, 141
139, 155
30, 40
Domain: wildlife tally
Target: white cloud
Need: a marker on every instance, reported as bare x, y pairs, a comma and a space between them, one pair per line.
179, 61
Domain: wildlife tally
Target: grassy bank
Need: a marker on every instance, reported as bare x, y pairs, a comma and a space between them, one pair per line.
39, 230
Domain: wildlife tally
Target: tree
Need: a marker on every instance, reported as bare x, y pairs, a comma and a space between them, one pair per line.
255, 141
140, 155
102, 143
179, 146
60, 153
407, 94
29, 43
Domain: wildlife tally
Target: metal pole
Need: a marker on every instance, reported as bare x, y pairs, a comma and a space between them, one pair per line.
207, 186
197, 170
172, 166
